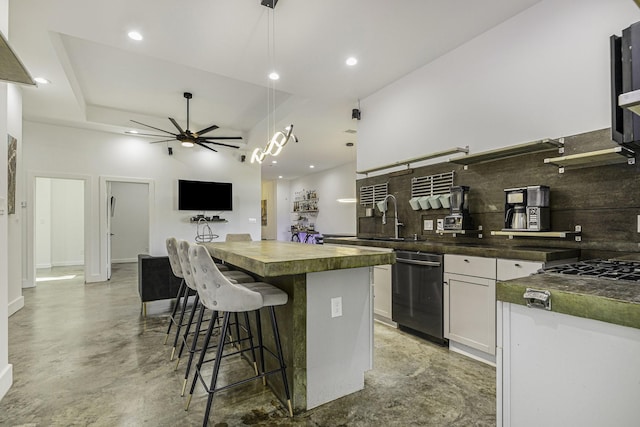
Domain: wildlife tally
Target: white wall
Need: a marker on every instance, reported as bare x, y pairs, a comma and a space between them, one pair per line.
67, 222
130, 222
14, 221
59, 222
284, 205
68, 152
544, 73
6, 376
43, 223
337, 183
270, 231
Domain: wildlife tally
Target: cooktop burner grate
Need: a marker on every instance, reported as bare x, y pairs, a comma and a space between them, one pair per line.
615, 270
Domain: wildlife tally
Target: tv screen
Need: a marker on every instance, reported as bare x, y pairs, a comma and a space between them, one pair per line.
204, 196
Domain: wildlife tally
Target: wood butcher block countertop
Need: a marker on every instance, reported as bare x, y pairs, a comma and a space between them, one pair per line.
274, 258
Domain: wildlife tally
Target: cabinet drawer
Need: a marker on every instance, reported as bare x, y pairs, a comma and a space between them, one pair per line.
512, 269
470, 266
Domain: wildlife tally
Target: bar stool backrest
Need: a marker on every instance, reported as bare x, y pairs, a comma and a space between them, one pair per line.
172, 250
238, 237
216, 292
183, 256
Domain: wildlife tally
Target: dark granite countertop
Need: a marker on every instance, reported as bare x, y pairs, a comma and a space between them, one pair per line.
273, 258
507, 252
612, 301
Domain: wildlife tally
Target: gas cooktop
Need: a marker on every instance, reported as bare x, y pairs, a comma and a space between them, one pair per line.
615, 270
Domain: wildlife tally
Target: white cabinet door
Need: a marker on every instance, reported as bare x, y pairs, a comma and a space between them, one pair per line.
470, 315
382, 290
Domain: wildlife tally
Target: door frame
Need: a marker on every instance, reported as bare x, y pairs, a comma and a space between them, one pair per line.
104, 210
30, 279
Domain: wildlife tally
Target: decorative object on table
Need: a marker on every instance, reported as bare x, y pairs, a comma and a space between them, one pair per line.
12, 153
186, 137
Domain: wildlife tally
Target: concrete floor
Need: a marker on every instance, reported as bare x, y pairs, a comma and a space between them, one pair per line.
83, 355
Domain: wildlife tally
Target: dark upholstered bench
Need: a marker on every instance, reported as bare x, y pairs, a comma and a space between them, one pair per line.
155, 279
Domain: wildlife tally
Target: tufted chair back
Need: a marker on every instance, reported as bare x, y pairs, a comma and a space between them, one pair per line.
238, 237
216, 292
183, 255
172, 250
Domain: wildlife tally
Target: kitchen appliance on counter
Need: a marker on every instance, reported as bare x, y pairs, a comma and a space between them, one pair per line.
417, 293
459, 217
527, 208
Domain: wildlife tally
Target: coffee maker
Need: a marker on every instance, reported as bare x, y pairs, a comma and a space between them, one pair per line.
459, 217
527, 208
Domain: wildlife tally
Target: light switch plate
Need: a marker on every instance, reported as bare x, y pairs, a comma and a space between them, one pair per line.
3, 205
638, 223
252, 220
428, 225
336, 307
440, 225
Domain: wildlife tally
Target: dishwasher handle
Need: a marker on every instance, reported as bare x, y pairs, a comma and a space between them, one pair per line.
418, 262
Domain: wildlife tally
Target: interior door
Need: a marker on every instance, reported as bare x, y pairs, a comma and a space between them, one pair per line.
111, 206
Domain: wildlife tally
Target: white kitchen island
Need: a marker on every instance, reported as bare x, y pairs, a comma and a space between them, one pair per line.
327, 325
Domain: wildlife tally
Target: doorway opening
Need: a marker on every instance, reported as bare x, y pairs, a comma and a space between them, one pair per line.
127, 220
59, 216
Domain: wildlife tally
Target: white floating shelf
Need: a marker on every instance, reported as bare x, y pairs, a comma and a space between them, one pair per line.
608, 156
513, 150
542, 234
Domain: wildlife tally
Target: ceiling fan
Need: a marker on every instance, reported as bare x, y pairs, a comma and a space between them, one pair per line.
188, 138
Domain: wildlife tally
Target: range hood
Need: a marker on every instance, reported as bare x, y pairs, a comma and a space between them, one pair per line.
11, 68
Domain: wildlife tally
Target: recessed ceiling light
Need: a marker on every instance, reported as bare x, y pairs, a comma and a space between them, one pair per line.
351, 61
274, 76
311, 166
42, 80
134, 35
274, 161
279, 176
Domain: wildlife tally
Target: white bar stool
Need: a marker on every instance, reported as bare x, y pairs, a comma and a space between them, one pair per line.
172, 251
218, 294
232, 275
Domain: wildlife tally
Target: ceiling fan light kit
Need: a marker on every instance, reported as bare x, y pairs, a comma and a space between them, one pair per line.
186, 137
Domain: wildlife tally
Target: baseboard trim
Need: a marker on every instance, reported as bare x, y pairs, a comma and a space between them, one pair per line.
124, 260
28, 284
16, 305
67, 263
6, 380
472, 353
48, 265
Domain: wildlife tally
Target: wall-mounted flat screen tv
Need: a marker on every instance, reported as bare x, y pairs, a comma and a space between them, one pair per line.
204, 196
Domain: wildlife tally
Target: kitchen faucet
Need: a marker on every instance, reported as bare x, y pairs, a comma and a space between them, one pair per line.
398, 224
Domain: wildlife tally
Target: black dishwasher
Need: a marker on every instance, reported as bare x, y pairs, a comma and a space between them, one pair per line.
417, 297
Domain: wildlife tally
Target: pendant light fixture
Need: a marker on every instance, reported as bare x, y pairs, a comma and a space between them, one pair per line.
279, 138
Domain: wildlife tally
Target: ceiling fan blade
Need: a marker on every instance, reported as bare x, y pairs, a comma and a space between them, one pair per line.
164, 140
149, 126
149, 134
217, 143
177, 125
205, 130
220, 137
204, 146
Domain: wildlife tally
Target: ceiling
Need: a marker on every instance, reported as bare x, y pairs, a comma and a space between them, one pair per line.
218, 50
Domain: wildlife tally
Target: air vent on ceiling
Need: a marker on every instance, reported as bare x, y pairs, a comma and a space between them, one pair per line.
351, 131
